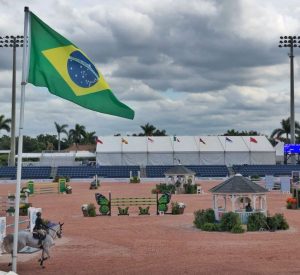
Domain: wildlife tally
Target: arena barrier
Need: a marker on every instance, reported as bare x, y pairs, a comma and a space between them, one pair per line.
47, 188
123, 204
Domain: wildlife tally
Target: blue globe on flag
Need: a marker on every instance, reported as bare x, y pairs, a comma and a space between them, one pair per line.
81, 70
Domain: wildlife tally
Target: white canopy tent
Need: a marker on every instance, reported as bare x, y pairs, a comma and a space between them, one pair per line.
186, 150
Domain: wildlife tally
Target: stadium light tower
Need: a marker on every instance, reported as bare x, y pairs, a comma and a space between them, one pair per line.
291, 42
12, 42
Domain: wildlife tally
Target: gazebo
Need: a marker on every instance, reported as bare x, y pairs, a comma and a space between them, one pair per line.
180, 175
240, 195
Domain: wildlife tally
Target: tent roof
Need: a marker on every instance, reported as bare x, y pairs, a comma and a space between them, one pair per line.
238, 184
262, 144
179, 170
211, 144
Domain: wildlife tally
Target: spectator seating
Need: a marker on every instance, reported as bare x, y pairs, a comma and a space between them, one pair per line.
101, 171
157, 171
28, 172
262, 170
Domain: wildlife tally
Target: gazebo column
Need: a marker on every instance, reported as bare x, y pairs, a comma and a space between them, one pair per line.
225, 203
254, 202
232, 203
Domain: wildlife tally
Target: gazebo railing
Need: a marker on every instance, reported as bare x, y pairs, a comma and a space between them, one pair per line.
243, 214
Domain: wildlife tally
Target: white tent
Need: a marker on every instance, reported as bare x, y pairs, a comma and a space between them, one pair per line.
211, 150
187, 150
261, 150
279, 149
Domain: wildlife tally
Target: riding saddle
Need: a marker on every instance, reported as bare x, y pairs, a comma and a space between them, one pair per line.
38, 236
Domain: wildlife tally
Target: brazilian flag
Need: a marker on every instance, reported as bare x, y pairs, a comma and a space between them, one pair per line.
67, 72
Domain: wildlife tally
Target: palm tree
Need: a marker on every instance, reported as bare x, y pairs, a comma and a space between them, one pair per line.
60, 129
89, 138
148, 129
285, 129
77, 133
4, 123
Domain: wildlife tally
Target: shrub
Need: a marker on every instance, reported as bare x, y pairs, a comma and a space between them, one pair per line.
135, 179
256, 221
190, 189
177, 208
277, 222
91, 209
204, 216
237, 229
164, 188
229, 220
209, 227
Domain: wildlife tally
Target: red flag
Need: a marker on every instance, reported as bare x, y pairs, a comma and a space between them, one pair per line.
99, 141
150, 139
201, 140
253, 140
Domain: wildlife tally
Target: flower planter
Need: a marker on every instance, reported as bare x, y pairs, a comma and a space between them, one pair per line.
181, 210
294, 206
85, 212
69, 191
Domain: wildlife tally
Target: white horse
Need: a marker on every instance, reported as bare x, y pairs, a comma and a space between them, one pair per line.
26, 238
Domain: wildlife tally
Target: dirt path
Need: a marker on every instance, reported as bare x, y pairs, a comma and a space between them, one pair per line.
157, 244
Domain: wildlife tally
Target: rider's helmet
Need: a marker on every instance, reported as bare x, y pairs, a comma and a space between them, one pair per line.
38, 214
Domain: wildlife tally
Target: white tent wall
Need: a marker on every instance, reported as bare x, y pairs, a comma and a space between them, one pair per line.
186, 150
189, 150
109, 159
261, 150
160, 158
279, 149
236, 150
212, 158
134, 159
187, 158
210, 149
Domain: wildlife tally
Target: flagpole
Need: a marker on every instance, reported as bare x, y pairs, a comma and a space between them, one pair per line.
20, 142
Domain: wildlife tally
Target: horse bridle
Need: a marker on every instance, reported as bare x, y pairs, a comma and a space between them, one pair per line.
58, 231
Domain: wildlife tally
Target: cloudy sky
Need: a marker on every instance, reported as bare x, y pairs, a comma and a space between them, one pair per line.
190, 67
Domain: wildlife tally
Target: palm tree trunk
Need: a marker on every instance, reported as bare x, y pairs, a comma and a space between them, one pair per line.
58, 142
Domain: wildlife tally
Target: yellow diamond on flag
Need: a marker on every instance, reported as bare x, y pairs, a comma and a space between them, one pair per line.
76, 69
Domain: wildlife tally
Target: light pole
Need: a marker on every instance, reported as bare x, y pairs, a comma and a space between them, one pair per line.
291, 42
12, 42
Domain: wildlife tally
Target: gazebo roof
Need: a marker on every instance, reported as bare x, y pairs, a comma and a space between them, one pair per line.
179, 170
238, 184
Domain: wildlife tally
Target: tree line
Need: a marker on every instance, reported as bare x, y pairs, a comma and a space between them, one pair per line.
79, 135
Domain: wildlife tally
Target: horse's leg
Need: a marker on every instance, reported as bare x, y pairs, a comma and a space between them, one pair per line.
9, 264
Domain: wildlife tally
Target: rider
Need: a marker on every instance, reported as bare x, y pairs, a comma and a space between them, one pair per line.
40, 227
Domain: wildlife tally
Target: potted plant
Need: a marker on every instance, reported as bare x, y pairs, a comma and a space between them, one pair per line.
68, 189
135, 179
24, 209
291, 203
10, 211
91, 209
84, 209
177, 208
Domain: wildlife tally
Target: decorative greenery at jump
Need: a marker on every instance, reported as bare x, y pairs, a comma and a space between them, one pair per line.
123, 204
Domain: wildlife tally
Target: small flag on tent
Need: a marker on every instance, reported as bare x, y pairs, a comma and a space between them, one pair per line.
202, 141
150, 139
176, 139
228, 139
99, 141
253, 140
124, 141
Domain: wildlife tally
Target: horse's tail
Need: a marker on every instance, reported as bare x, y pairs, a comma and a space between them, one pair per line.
7, 244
